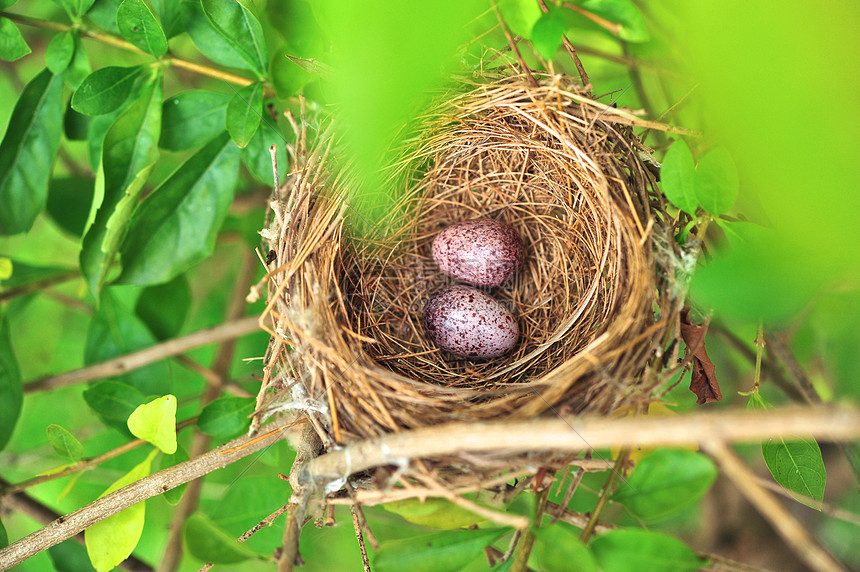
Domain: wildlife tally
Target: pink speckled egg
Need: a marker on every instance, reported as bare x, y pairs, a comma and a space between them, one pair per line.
481, 252
469, 323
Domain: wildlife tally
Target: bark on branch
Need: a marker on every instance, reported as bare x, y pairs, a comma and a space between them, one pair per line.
156, 484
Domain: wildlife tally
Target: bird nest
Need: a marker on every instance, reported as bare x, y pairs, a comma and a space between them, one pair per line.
594, 301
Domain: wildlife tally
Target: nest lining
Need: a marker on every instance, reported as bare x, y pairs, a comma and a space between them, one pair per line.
566, 175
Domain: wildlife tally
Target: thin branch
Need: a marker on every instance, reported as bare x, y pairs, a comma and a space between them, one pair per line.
796, 537
129, 362
37, 285
40, 513
513, 44
221, 366
303, 489
67, 526
605, 491
577, 434
571, 51
84, 464
129, 47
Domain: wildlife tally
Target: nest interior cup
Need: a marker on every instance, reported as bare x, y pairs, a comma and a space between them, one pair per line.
591, 299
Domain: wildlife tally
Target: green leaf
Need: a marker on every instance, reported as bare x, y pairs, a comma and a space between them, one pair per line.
64, 443
79, 68
75, 8
241, 30
105, 90
114, 331
624, 13
104, 12
637, 550
155, 422
76, 125
163, 307
69, 202
176, 226
70, 556
113, 539
558, 549
287, 77
678, 175
170, 16
4, 538
210, 543
665, 482
217, 45
256, 155
192, 118
521, 16
434, 513
11, 396
7, 4
138, 25
12, 43
27, 152
130, 151
717, 181
60, 51
244, 113
446, 550
113, 402
174, 495
795, 463
226, 416
547, 33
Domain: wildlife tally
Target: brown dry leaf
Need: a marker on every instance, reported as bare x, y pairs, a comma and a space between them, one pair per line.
704, 378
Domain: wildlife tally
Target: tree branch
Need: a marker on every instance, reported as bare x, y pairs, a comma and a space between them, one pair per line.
577, 434
26, 504
129, 362
796, 537
67, 526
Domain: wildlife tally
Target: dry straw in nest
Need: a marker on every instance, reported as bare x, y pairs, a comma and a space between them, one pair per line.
594, 300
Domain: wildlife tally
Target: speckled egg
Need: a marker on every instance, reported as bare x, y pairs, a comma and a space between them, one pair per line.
481, 252
469, 323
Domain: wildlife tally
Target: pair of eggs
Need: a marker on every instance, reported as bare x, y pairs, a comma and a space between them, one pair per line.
462, 319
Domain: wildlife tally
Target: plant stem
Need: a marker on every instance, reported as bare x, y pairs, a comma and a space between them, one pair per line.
527, 541
169, 348
158, 483
759, 344
605, 491
129, 47
577, 434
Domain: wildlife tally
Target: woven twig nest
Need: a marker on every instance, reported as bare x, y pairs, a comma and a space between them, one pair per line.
594, 300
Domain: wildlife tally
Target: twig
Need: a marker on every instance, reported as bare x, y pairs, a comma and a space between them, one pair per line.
132, 361
41, 513
558, 434
263, 523
365, 561
83, 464
605, 491
571, 51
221, 366
303, 488
38, 285
759, 345
67, 526
796, 537
513, 45
527, 540
129, 47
